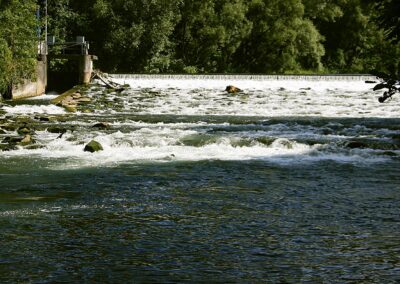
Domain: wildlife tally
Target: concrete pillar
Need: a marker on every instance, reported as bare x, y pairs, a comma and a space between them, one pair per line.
85, 69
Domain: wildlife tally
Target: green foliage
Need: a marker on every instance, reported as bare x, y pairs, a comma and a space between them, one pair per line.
389, 18
255, 36
281, 39
18, 41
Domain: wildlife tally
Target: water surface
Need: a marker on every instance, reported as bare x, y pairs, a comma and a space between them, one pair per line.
290, 181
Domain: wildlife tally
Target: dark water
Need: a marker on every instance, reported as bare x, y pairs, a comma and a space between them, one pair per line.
247, 221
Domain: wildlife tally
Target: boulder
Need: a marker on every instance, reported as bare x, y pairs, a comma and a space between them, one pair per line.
232, 89
93, 146
12, 140
24, 130
26, 140
101, 125
56, 129
356, 144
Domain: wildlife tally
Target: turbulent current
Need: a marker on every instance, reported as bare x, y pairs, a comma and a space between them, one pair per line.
292, 180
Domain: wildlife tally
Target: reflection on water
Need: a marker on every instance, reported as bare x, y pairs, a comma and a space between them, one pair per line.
179, 195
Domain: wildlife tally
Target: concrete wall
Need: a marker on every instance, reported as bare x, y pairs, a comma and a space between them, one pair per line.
30, 88
85, 69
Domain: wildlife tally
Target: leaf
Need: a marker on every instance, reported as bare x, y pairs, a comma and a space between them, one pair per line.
381, 86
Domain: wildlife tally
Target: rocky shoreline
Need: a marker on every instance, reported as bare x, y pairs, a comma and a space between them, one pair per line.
19, 131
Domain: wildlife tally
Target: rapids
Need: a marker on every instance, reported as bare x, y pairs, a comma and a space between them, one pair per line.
292, 180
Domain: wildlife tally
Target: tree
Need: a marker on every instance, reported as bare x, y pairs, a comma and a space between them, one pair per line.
389, 18
209, 33
281, 39
18, 41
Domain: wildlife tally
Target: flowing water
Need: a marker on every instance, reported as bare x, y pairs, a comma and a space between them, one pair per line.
293, 180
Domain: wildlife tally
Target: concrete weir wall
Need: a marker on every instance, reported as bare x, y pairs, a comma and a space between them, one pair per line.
81, 76
86, 68
30, 88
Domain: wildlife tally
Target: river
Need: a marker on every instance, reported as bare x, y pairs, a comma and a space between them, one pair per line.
291, 181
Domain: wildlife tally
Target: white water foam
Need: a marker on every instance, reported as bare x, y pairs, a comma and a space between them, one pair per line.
352, 98
163, 142
34, 109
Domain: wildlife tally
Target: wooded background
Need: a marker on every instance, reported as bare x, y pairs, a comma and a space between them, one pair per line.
210, 36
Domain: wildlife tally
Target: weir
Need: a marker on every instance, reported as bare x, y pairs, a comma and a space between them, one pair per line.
255, 77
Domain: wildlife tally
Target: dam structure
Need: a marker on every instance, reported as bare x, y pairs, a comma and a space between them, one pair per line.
76, 71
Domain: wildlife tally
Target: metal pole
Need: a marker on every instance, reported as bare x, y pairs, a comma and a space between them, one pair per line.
39, 29
45, 26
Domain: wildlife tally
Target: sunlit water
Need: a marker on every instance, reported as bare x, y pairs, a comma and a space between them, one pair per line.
289, 181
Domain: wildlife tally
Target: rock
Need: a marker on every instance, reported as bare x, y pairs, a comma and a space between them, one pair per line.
24, 119
356, 144
2, 131
101, 125
18, 139
70, 108
76, 95
396, 137
46, 118
83, 100
8, 147
232, 89
42, 118
26, 140
24, 130
93, 146
35, 147
10, 127
389, 153
69, 103
56, 129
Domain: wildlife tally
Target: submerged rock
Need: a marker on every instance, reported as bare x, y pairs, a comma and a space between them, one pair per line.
93, 146
35, 147
232, 89
24, 130
356, 144
101, 125
45, 118
70, 108
9, 126
7, 147
13, 140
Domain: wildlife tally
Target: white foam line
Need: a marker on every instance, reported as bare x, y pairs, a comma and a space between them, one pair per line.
33, 109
